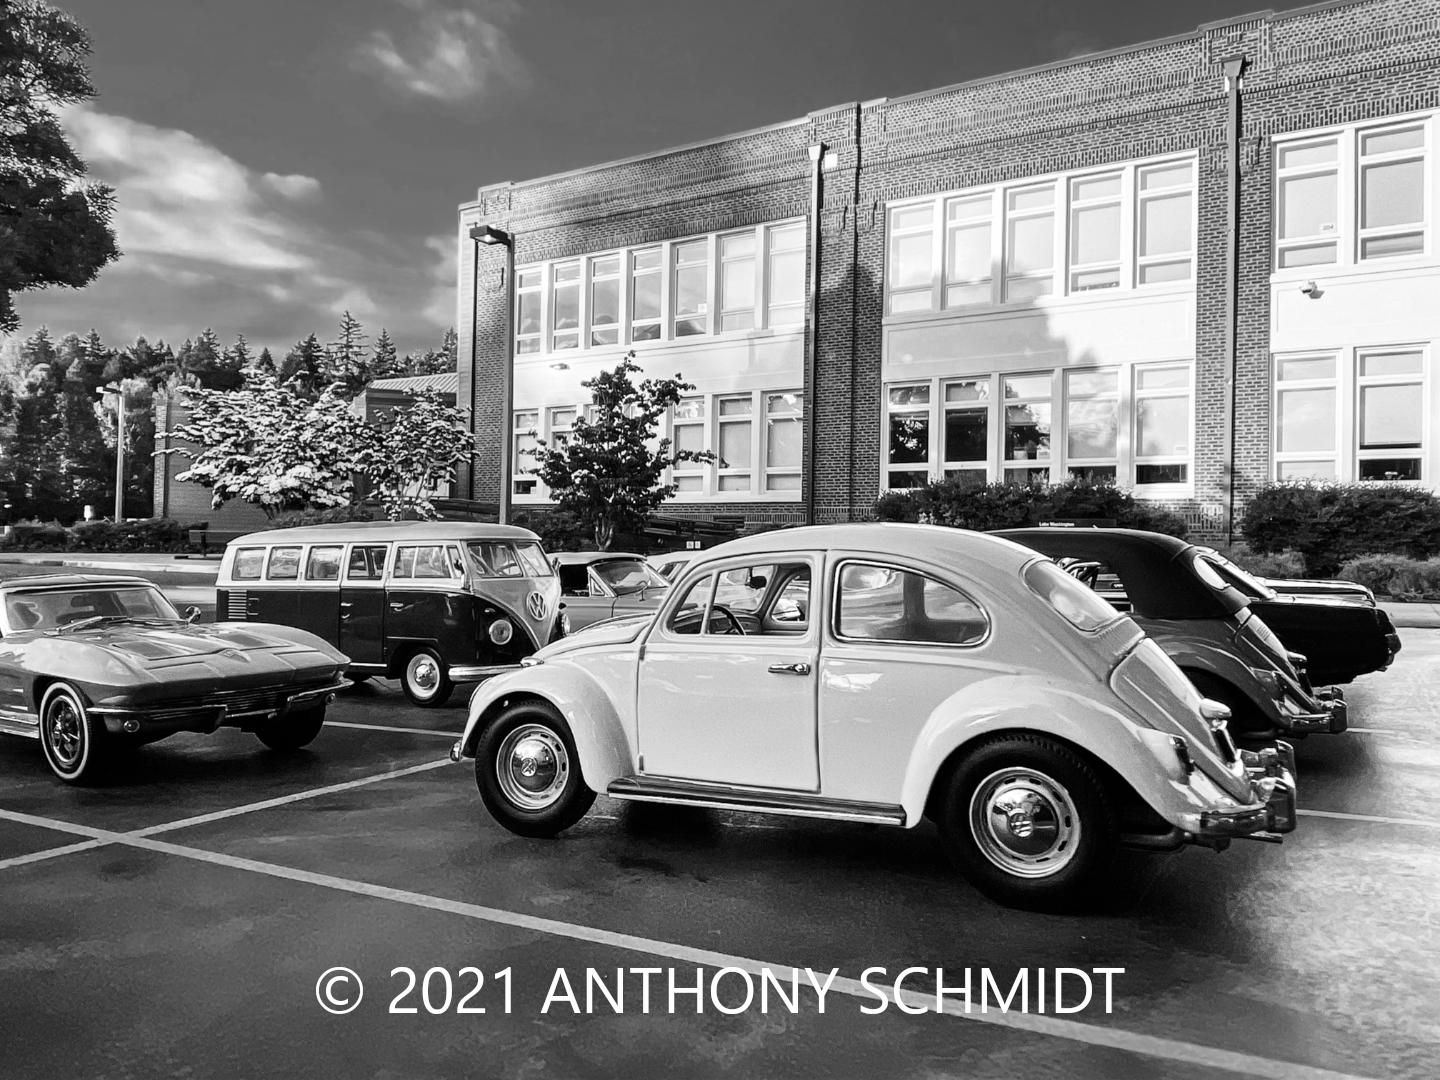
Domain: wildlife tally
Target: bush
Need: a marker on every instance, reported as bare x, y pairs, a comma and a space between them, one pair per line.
1395, 575
1286, 564
292, 519
1329, 524
964, 505
149, 534
559, 530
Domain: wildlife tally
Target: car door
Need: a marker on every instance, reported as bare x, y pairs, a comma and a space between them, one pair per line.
318, 596
716, 704
362, 604
583, 595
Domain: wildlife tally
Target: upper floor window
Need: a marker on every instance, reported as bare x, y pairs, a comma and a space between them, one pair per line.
645, 281
785, 275
565, 303
691, 288
1125, 228
605, 300
1352, 196
529, 286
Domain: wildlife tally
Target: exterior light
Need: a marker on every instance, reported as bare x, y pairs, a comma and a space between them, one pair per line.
491, 236
559, 365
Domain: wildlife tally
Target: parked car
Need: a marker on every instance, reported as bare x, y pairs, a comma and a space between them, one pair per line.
1201, 620
1340, 638
671, 563
1352, 591
92, 664
882, 674
597, 585
431, 603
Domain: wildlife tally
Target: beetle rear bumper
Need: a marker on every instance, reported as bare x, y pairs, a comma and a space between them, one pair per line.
1273, 772
1332, 716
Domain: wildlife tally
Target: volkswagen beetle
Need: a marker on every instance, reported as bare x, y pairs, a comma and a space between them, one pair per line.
92, 664
884, 674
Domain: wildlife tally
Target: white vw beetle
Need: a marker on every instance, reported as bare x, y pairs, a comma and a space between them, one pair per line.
883, 674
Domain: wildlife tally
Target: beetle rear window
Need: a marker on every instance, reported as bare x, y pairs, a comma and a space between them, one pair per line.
1080, 607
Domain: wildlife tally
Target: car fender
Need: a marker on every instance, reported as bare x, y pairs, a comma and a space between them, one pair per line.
1200, 654
97, 671
1140, 755
595, 723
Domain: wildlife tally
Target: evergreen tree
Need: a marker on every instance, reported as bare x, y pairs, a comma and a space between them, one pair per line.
348, 362
305, 368
238, 356
384, 363
265, 363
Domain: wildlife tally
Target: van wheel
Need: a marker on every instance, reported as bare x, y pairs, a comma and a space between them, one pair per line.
528, 772
425, 680
293, 731
1028, 822
73, 741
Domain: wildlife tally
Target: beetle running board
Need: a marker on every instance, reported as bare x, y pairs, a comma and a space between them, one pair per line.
724, 797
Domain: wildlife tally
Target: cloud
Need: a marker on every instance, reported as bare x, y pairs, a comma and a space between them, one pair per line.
441, 260
293, 186
446, 53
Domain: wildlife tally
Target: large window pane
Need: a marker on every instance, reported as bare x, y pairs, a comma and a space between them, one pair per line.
909, 439
1032, 244
910, 261
1092, 429
1095, 234
1393, 193
1390, 417
1162, 427
1307, 205
735, 445
1306, 420
966, 434
1027, 432
1165, 225
969, 253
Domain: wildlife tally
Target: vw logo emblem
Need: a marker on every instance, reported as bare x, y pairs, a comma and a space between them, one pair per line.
535, 604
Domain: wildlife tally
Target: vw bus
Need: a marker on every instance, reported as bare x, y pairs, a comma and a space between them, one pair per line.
431, 603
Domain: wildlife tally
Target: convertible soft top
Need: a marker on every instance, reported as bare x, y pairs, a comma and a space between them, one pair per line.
1157, 571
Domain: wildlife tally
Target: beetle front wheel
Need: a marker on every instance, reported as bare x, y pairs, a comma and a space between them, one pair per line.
71, 739
528, 772
1028, 822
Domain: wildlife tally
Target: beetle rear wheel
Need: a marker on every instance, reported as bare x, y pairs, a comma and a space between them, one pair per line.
528, 772
1028, 822
71, 739
425, 679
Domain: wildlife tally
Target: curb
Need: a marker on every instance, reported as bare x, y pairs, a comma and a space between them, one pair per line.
202, 568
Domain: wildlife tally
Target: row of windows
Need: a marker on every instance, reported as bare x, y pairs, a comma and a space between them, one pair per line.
1129, 424
367, 562
1355, 414
1352, 196
735, 281
1127, 227
757, 438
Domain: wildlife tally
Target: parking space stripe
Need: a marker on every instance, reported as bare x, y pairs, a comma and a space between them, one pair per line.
397, 730
49, 853
1418, 823
1072, 1030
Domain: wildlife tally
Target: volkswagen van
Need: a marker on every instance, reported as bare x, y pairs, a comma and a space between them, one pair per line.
431, 603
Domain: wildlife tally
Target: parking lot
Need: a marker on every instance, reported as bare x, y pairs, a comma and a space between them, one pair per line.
176, 923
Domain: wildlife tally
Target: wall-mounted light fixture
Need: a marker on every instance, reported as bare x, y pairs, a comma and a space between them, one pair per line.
559, 365
1311, 290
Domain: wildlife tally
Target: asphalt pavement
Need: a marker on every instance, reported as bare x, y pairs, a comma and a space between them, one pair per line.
179, 923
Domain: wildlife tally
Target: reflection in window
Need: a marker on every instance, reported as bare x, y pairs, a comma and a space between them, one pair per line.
1027, 427
688, 433
880, 603
908, 451
1029, 243
284, 564
1165, 231
784, 440
968, 267
967, 427
528, 310
691, 286
1095, 232
1390, 415
908, 263
605, 300
645, 294
1162, 423
323, 564
737, 281
786, 302
565, 305
734, 441
1307, 420
248, 563
1092, 423
367, 562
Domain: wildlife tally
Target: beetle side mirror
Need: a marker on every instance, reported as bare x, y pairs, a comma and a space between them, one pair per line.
191, 614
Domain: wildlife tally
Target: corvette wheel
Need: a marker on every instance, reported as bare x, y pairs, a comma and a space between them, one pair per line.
71, 739
528, 772
425, 680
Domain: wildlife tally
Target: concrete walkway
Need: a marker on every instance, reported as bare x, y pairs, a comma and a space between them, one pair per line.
133, 561
1419, 616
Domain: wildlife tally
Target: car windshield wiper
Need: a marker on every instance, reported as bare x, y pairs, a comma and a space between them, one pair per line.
87, 623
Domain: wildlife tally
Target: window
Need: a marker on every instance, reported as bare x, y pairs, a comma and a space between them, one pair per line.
645, 281
691, 288
1092, 423
1027, 427
529, 317
1162, 424
1165, 223
562, 422
1390, 415
786, 275
605, 300
323, 564
1392, 192
1307, 417
248, 563
688, 434
284, 564
883, 603
908, 266
427, 561
1095, 232
526, 442
784, 440
367, 562
968, 256
565, 305
733, 442
908, 455
1307, 202
967, 430
1029, 243
737, 281
493, 559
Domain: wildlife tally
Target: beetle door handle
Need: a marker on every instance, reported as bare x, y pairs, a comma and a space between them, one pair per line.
801, 668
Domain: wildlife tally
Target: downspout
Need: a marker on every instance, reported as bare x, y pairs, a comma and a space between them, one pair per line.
507, 386
1234, 66
812, 331
466, 394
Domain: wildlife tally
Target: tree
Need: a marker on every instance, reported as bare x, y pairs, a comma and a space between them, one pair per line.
384, 363
265, 363
270, 445
348, 363
238, 356
306, 368
608, 472
414, 452
54, 230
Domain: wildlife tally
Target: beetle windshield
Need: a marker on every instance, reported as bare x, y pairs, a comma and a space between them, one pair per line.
53, 608
1079, 606
1235, 576
495, 558
625, 576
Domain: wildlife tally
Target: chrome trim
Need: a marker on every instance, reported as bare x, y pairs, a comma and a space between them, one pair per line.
10, 725
472, 672
725, 797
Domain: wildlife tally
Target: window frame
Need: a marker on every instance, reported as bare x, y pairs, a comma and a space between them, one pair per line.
832, 623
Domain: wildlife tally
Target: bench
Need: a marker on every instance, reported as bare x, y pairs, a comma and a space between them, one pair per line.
206, 538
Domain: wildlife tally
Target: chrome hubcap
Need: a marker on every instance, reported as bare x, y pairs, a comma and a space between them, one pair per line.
532, 767
64, 725
423, 674
1024, 822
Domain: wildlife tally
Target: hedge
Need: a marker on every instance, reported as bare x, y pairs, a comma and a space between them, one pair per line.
149, 534
1330, 524
1395, 575
963, 505
330, 515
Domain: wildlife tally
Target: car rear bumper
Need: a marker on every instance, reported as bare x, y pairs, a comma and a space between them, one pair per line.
1272, 772
1324, 714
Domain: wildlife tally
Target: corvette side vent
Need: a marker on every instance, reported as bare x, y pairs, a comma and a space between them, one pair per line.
235, 606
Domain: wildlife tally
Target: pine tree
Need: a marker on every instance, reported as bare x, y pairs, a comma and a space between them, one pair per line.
305, 368
384, 363
265, 363
348, 363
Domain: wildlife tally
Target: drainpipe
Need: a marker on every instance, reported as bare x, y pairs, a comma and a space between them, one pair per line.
1234, 66
812, 330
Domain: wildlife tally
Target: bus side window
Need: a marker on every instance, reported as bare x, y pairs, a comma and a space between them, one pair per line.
323, 564
367, 563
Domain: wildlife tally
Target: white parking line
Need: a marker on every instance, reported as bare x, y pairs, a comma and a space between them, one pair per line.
1072, 1030
398, 730
1371, 818
1373, 731
50, 853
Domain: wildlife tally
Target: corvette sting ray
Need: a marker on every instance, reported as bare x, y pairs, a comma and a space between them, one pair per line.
884, 674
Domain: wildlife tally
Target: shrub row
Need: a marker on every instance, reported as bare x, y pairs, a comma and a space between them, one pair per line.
330, 515
1395, 575
1284, 564
965, 505
1330, 524
149, 534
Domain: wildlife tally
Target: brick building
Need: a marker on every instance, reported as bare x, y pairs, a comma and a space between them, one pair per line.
1193, 265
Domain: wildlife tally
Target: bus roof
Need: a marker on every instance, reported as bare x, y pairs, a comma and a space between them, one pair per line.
382, 531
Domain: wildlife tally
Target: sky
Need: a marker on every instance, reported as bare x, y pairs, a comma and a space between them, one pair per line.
277, 162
